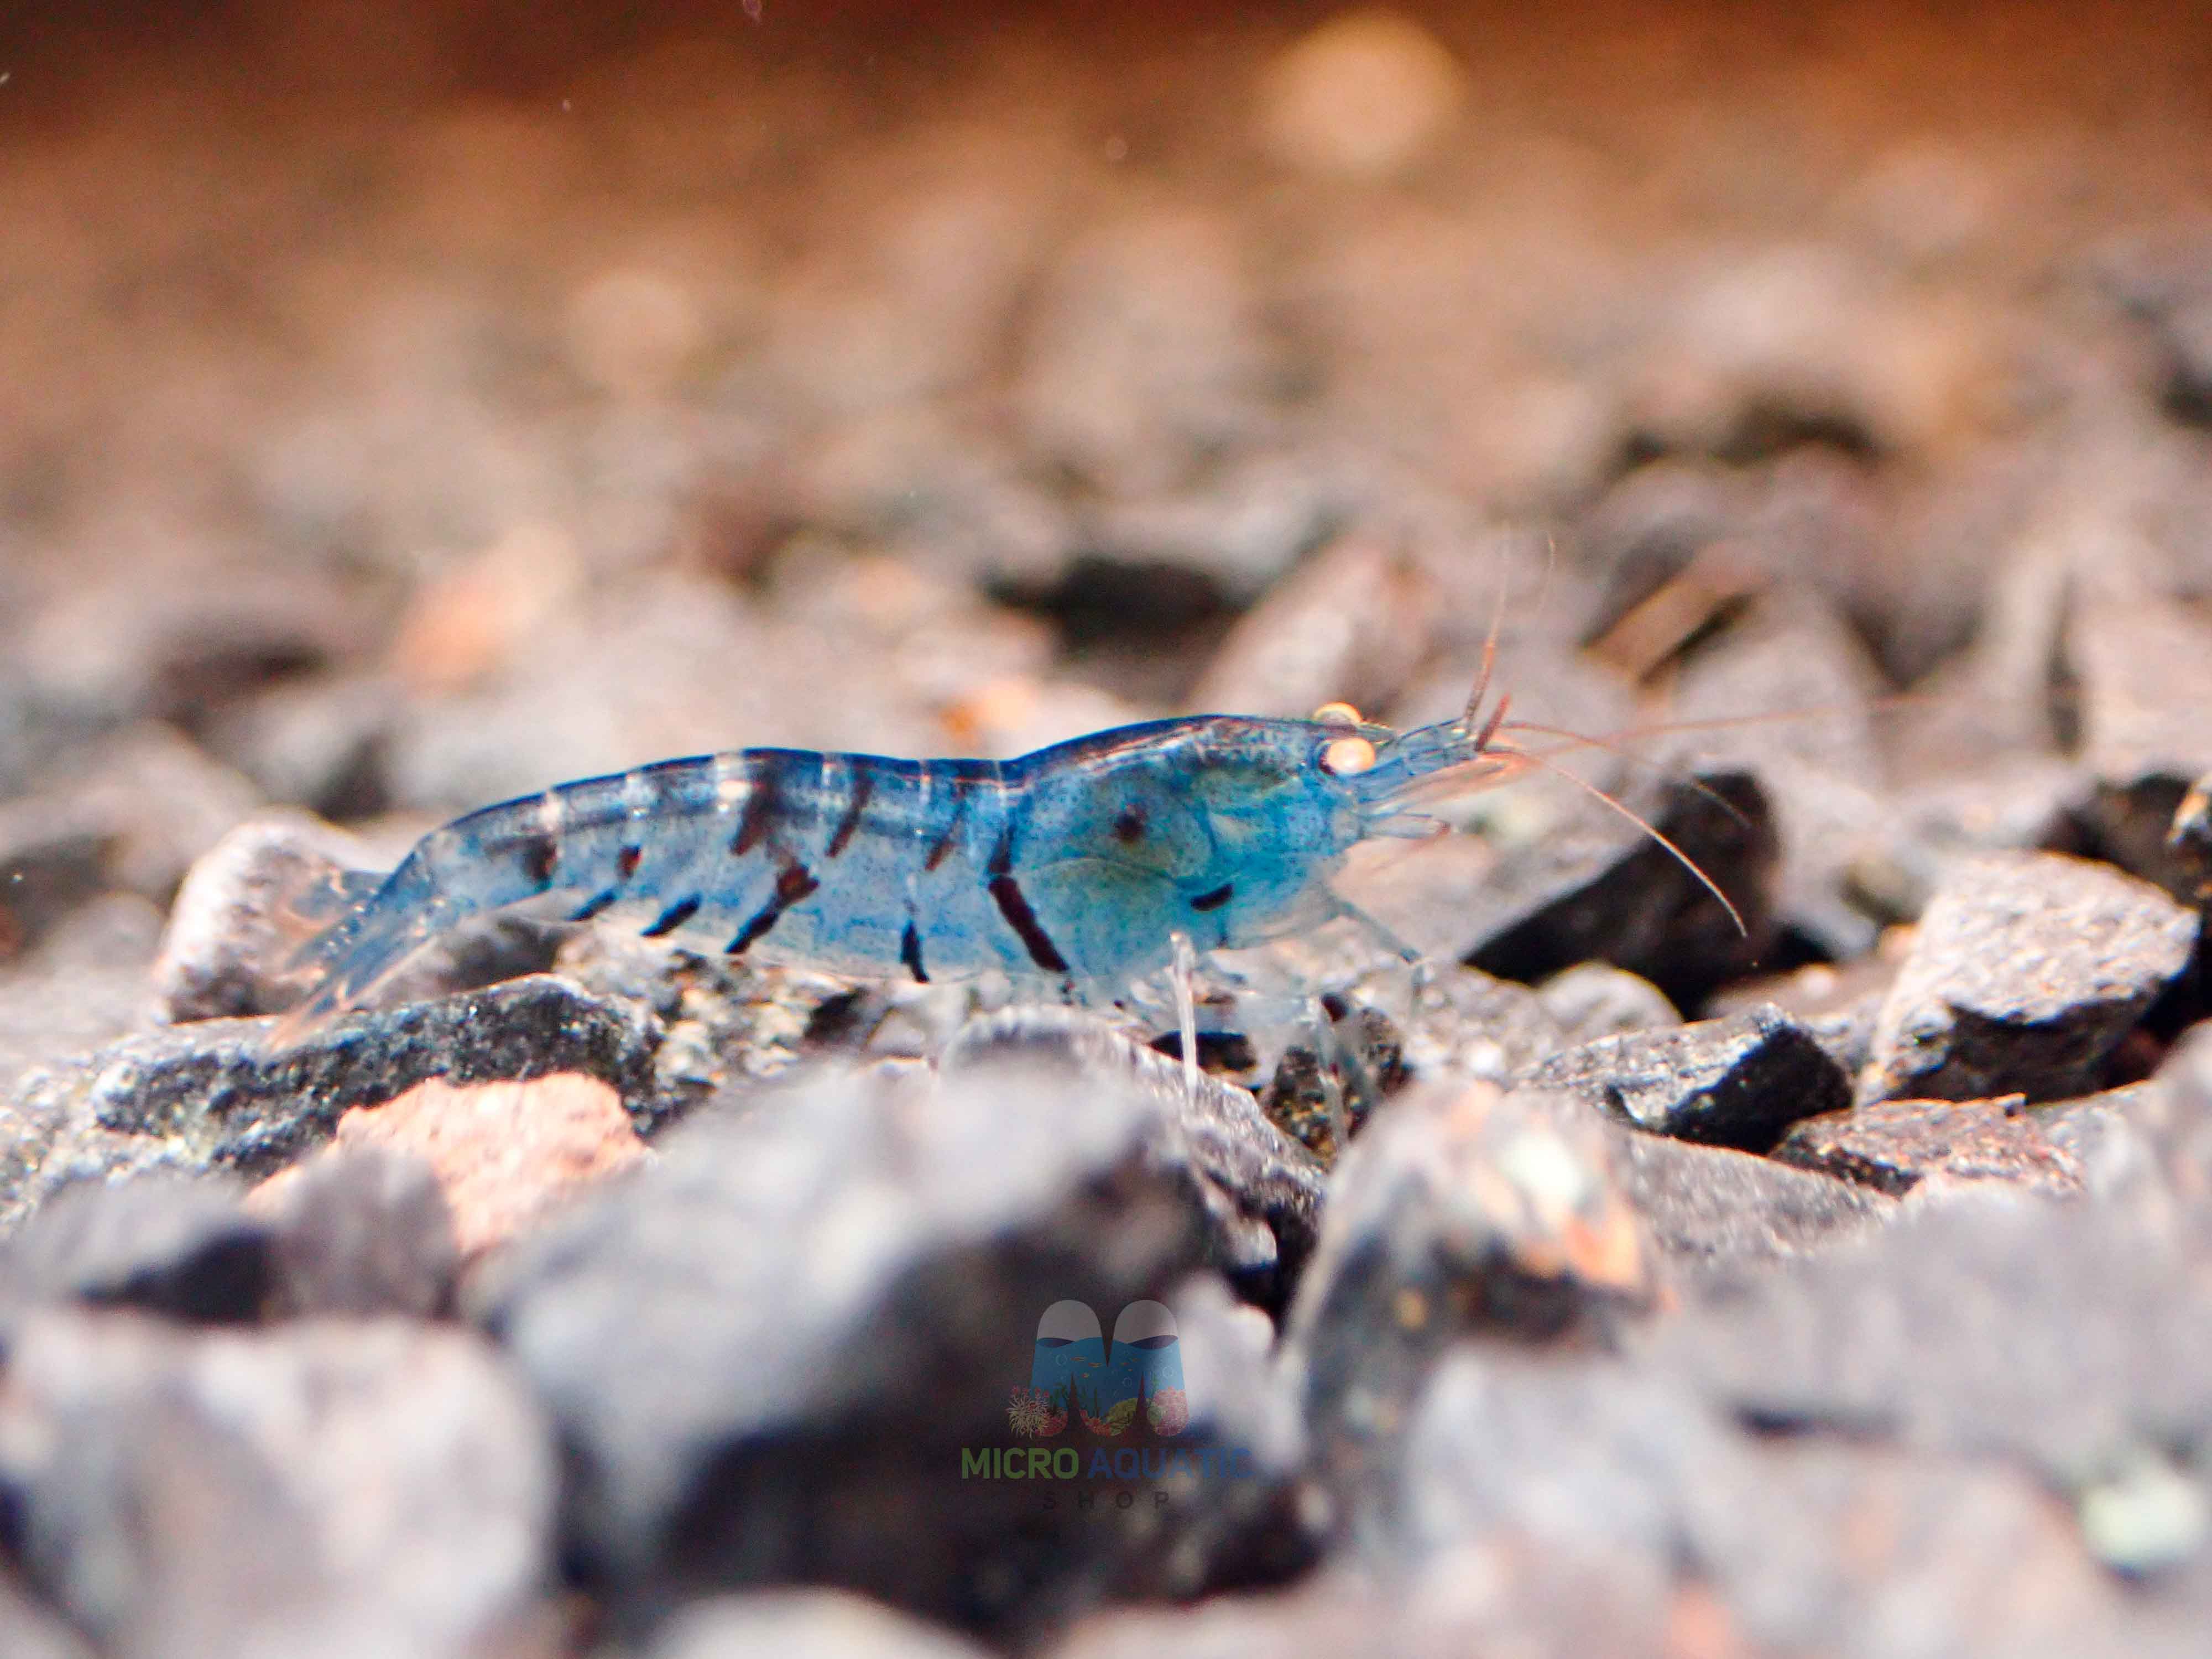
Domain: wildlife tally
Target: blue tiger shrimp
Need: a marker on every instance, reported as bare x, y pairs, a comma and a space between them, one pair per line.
1080, 868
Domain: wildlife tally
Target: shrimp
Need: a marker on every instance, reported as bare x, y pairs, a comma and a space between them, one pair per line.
1082, 867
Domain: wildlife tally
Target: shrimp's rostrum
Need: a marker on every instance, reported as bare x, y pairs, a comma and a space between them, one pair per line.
1077, 864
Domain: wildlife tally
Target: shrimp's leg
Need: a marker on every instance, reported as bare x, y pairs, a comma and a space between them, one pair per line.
1185, 964
1329, 1058
1382, 933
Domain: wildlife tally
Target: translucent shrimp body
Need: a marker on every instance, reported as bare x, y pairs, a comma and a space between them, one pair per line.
1077, 864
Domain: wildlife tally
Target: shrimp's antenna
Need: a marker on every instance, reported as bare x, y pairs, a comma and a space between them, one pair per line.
1473, 713
1725, 722
1481, 690
1571, 740
1647, 827
1551, 565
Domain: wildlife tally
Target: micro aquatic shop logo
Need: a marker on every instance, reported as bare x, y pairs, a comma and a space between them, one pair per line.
1097, 1411
1133, 1390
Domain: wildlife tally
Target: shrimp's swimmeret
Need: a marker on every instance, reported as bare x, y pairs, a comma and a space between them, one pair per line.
1077, 864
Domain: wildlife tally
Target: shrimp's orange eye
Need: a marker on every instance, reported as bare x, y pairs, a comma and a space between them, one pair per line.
1337, 714
1347, 755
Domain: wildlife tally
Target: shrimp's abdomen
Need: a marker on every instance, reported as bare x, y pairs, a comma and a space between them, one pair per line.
851, 863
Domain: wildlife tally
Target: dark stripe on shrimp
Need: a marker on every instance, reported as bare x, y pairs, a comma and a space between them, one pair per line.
950, 833
1214, 900
763, 801
593, 906
1013, 904
626, 862
674, 917
910, 954
864, 784
1015, 909
796, 882
1002, 851
539, 855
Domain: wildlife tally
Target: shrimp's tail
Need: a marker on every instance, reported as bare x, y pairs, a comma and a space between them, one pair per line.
381, 922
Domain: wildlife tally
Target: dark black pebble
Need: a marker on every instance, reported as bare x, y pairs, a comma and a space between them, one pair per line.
1739, 1082
1602, 891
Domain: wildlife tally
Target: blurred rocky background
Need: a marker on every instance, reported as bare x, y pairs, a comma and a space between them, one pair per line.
406, 408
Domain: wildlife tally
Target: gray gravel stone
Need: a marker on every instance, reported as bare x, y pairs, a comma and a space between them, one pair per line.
768, 1352
167, 1245
1990, 1324
1710, 1206
2145, 673
1507, 1595
1793, 1547
2171, 1115
1597, 1000
112, 645
243, 913
1734, 1082
1846, 1034
1461, 1210
2027, 970
2005, 802
316, 743
28, 1631
84, 985
48, 867
216, 1095
1581, 1454
2110, 1138
360, 1230
1350, 625
1894, 1146
727, 1023
48, 1143
1816, 762
1261, 1190
340, 1488
1878, 1552
776, 1623
132, 812
358, 1233
1467, 1025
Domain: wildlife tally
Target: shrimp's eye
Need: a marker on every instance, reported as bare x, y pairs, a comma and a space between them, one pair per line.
1337, 714
1346, 755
